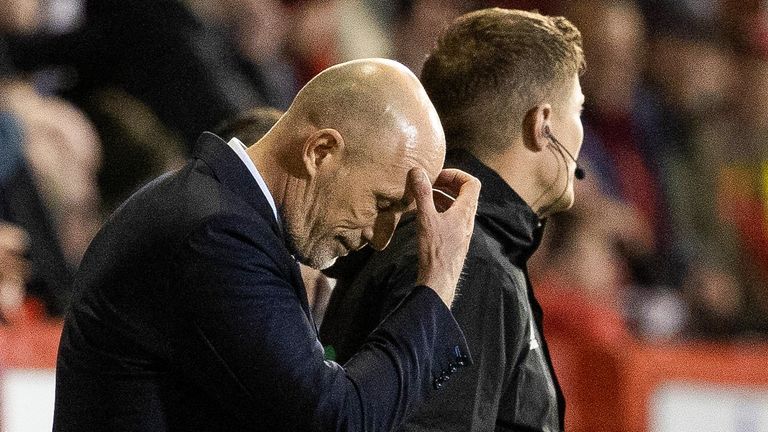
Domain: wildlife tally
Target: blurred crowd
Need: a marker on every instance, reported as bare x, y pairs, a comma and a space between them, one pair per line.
670, 230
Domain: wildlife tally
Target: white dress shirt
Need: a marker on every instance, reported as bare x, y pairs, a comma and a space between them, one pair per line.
239, 148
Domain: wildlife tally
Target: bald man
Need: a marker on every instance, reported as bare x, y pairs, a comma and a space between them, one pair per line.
190, 313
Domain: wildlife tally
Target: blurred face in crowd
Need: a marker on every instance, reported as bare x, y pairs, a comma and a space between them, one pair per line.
697, 74
19, 16
614, 42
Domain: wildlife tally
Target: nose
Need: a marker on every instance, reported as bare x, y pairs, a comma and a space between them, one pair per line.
380, 233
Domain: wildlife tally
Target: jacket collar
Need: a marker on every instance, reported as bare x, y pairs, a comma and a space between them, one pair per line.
500, 209
234, 175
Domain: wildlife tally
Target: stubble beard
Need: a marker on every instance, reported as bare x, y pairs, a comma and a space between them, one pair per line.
297, 240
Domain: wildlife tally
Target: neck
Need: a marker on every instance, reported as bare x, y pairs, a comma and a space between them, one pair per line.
515, 166
266, 158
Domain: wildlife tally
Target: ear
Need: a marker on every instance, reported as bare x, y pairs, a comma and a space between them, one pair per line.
536, 127
323, 147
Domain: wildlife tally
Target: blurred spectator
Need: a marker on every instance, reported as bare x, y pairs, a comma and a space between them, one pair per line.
259, 30
646, 228
314, 39
329, 32
419, 23
178, 58
14, 269
169, 68
50, 156
63, 153
50, 190
693, 71
139, 147
743, 177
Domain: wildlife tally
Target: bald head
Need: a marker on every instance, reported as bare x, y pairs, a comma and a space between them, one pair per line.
378, 107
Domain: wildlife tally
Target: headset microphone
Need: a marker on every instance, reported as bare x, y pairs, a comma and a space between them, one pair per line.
579, 173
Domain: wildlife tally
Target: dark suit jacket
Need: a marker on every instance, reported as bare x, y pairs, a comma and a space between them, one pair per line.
190, 314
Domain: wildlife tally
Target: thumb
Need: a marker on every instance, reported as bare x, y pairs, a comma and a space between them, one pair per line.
421, 189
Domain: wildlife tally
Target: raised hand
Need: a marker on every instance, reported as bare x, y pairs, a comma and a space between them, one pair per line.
443, 235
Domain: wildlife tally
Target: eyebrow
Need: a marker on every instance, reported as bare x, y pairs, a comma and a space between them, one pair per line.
403, 202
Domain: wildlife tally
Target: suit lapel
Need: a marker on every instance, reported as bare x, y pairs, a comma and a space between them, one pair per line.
233, 174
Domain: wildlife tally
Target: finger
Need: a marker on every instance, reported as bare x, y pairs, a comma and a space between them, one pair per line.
443, 201
451, 179
461, 185
421, 190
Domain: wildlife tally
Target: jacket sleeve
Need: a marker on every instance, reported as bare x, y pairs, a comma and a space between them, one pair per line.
487, 310
254, 339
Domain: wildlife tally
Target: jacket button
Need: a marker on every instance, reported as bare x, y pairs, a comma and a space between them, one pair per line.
437, 384
457, 351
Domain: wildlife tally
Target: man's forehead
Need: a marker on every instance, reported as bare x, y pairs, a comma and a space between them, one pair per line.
430, 159
392, 171
401, 197
394, 184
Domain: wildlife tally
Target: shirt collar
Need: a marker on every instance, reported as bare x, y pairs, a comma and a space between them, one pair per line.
239, 148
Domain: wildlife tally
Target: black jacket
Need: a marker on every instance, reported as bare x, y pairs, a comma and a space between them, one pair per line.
511, 386
190, 315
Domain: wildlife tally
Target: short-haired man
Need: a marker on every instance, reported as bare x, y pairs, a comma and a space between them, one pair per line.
190, 314
506, 86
